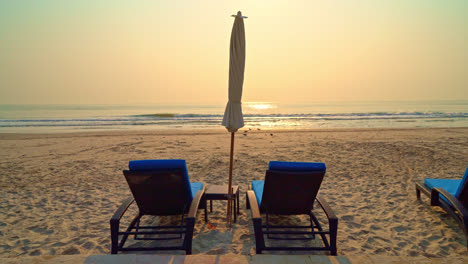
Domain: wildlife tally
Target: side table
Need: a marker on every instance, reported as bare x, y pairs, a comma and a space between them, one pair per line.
220, 192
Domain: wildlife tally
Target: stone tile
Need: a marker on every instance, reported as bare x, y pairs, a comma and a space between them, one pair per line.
450, 260
279, 259
59, 259
178, 259
201, 259
66, 259
150, 259
340, 260
234, 259
227, 259
359, 260
323, 259
111, 259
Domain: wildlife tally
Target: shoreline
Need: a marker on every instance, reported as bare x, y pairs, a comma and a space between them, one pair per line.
60, 190
215, 131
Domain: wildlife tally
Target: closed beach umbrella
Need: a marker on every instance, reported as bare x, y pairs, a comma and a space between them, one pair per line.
233, 119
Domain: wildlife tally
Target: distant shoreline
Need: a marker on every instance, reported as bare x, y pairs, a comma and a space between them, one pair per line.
217, 131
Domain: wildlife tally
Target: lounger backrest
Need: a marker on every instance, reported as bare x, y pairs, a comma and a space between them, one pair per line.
167, 173
163, 164
462, 191
291, 187
159, 192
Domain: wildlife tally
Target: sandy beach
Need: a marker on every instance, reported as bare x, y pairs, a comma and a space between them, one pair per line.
58, 191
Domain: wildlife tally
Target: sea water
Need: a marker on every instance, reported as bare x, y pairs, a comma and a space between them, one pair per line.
257, 115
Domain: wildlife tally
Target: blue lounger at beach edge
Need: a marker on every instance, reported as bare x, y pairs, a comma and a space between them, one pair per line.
449, 194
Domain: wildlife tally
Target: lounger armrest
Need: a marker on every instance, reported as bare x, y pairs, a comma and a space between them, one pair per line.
326, 208
435, 194
122, 209
195, 203
253, 204
332, 223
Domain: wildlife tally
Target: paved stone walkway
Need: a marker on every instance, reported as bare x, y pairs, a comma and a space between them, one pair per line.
227, 259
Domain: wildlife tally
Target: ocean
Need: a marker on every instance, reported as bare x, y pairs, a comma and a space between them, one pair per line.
257, 115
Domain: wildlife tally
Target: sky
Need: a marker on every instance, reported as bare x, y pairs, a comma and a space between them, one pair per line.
150, 52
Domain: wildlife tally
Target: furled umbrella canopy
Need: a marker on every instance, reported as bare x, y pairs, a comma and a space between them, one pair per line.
233, 119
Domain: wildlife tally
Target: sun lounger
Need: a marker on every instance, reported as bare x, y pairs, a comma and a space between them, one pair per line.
159, 188
450, 195
291, 188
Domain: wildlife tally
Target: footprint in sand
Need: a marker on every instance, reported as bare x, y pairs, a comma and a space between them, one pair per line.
40, 230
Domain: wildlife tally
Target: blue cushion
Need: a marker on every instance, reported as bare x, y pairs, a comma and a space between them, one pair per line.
257, 187
296, 166
195, 187
463, 181
449, 185
139, 165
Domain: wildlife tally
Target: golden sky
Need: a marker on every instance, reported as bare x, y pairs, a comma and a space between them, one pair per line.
130, 52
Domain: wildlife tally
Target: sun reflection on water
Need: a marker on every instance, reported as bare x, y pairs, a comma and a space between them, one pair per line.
261, 112
260, 105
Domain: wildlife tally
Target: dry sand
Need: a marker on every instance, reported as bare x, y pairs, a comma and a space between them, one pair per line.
58, 191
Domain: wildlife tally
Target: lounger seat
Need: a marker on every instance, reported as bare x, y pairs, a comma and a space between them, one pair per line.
196, 186
257, 188
159, 188
451, 186
290, 188
449, 194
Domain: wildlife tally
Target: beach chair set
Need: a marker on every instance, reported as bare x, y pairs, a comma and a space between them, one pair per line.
163, 188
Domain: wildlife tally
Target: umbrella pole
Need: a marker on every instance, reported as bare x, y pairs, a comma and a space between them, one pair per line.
231, 161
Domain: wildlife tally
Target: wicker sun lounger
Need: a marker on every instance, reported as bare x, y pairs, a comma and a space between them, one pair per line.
159, 188
290, 188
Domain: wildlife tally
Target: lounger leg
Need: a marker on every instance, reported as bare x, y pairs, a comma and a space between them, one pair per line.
435, 199
238, 206
333, 234
259, 240
247, 203
234, 209
114, 226
206, 211
418, 193
189, 235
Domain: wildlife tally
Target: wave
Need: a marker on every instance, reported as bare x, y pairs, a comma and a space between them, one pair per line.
210, 120
321, 115
157, 115
216, 116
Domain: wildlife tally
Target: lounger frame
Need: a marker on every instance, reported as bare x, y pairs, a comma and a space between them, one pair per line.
303, 207
454, 206
143, 200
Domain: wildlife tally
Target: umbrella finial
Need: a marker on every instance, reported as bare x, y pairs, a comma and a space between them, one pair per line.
239, 15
